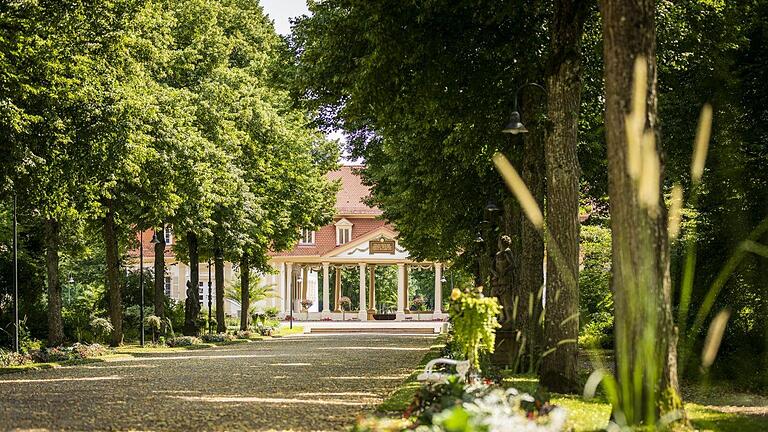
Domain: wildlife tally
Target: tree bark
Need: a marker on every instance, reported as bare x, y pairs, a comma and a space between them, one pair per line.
245, 290
52, 241
192, 303
641, 280
113, 275
221, 325
561, 325
160, 276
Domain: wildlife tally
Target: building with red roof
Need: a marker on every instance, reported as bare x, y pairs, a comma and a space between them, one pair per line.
357, 239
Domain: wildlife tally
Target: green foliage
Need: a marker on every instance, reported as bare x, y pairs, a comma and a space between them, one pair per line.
595, 296
474, 320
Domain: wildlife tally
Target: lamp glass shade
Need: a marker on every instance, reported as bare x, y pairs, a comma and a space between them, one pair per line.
514, 126
491, 207
154, 239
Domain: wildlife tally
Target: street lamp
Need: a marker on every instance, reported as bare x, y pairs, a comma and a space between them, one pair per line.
515, 126
210, 326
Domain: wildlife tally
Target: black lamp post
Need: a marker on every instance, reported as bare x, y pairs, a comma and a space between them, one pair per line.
210, 326
15, 277
154, 241
514, 126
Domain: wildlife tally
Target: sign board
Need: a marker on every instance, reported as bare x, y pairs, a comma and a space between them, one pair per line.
382, 246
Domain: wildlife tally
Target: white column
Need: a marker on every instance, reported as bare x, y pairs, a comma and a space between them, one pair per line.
326, 291
363, 313
280, 285
438, 290
400, 288
288, 288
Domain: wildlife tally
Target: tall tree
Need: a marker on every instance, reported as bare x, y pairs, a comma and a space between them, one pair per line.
641, 275
559, 367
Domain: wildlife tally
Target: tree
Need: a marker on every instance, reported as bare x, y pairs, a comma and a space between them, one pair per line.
641, 275
422, 95
561, 329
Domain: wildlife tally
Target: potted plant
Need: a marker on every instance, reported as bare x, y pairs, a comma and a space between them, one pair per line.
306, 304
417, 303
344, 302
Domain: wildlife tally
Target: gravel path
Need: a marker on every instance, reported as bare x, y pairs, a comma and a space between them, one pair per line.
298, 383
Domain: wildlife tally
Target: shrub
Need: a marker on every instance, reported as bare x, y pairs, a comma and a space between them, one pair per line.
244, 334
10, 358
101, 328
182, 341
217, 337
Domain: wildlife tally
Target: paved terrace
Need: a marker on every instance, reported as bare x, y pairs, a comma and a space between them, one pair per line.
301, 383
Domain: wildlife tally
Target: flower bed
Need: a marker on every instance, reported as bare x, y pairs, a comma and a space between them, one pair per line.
182, 341
453, 405
77, 351
218, 338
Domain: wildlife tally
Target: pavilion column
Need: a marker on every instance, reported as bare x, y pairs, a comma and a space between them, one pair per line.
406, 296
400, 291
337, 289
288, 288
372, 290
326, 291
438, 290
362, 313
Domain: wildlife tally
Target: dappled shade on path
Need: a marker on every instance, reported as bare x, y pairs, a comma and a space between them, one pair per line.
299, 383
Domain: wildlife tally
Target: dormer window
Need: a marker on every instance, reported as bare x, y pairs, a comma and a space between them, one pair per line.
307, 237
343, 232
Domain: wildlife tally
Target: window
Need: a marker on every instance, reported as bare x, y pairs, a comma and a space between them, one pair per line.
307, 237
200, 289
168, 234
343, 232
167, 286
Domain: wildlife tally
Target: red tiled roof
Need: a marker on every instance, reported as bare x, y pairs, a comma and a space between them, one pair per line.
149, 248
325, 237
349, 199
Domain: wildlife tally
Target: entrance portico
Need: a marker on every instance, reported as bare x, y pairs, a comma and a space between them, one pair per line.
298, 278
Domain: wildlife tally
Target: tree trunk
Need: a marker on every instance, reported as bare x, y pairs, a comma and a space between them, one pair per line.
532, 243
221, 325
160, 276
192, 304
55, 325
561, 325
641, 280
113, 275
245, 290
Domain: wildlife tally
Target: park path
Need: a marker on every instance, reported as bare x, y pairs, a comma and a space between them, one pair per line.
298, 383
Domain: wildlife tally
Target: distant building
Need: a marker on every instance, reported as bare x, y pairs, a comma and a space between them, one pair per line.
356, 240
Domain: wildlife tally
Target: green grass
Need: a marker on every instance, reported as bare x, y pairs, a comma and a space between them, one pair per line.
285, 331
400, 399
593, 415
